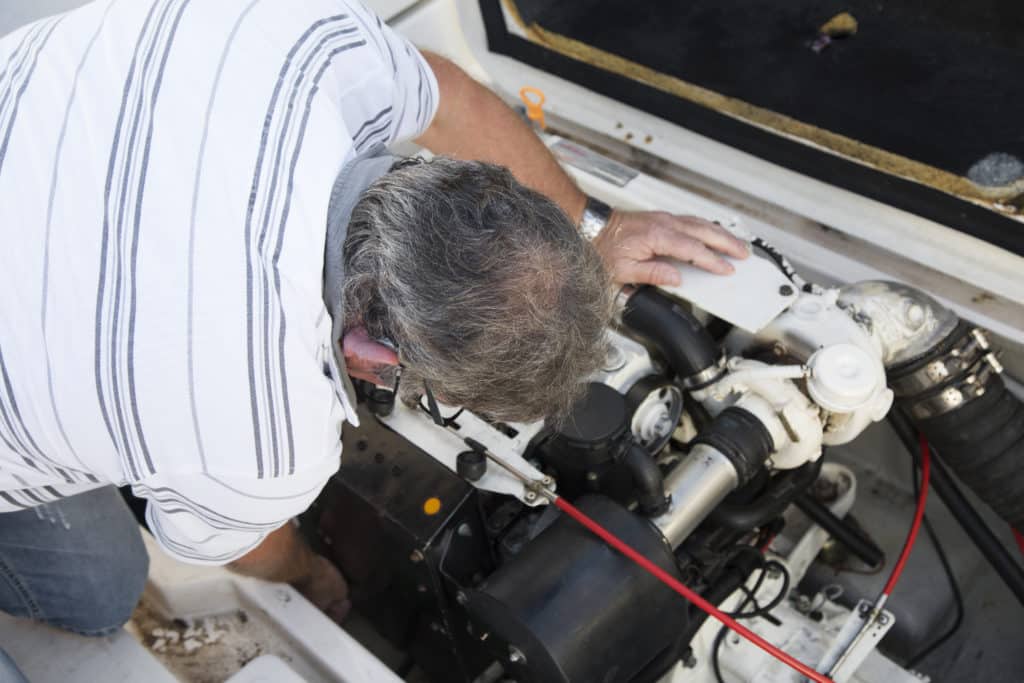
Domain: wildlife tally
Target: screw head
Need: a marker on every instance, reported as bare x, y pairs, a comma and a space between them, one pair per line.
786, 290
416, 556
515, 656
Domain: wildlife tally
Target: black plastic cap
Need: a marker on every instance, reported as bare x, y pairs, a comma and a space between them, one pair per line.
471, 465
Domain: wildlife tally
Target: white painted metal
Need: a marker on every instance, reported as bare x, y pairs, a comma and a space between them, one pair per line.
864, 629
266, 669
849, 384
444, 445
904, 322
789, 416
749, 298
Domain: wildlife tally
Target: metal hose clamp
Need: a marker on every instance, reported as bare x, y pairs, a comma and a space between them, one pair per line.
959, 359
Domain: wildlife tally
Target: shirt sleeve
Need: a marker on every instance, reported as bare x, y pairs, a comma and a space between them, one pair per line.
400, 102
201, 518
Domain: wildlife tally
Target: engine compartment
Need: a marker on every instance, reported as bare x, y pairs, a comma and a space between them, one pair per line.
702, 445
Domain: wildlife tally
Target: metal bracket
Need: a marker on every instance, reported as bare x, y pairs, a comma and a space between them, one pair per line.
514, 476
860, 635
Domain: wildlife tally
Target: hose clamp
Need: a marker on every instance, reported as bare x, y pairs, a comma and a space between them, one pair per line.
971, 386
705, 377
959, 359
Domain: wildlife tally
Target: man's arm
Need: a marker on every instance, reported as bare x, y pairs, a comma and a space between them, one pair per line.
284, 556
473, 123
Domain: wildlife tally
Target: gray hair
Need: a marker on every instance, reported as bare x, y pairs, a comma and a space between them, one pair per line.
485, 286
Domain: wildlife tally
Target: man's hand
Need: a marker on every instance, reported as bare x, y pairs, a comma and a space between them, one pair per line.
635, 246
326, 588
472, 123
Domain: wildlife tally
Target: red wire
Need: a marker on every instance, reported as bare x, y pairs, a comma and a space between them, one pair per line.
1019, 537
678, 587
915, 526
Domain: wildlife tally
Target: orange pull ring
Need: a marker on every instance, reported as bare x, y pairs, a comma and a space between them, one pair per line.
534, 100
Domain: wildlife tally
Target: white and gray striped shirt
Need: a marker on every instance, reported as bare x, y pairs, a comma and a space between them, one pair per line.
165, 172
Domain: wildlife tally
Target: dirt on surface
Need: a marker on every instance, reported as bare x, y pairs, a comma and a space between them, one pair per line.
206, 650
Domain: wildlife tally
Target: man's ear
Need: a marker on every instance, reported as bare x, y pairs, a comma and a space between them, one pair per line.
367, 359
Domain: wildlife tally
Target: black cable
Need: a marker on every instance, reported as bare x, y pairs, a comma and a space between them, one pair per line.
444, 421
715, 647
777, 257
758, 611
751, 593
954, 587
762, 611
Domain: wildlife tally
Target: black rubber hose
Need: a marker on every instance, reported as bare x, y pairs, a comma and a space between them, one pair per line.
982, 440
970, 521
770, 503
675, 332
647, 480
856, 542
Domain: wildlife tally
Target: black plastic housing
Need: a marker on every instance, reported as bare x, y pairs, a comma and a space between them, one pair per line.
576, 610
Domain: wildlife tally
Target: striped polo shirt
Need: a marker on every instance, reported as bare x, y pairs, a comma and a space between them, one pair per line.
165, 173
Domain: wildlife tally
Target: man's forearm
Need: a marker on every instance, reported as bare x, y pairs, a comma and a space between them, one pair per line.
473, 123
282, 556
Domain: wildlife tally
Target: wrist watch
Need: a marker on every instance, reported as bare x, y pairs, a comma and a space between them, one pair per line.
596, 215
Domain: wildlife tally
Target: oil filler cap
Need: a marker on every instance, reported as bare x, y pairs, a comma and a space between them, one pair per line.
844, 377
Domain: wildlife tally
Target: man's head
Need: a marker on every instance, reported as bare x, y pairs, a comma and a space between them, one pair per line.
484, 285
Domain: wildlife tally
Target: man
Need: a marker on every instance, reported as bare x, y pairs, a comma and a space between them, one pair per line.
197, 219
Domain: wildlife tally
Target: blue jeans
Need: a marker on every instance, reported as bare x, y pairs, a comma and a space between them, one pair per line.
78, 564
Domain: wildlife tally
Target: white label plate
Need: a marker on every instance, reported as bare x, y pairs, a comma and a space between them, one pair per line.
750, 298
